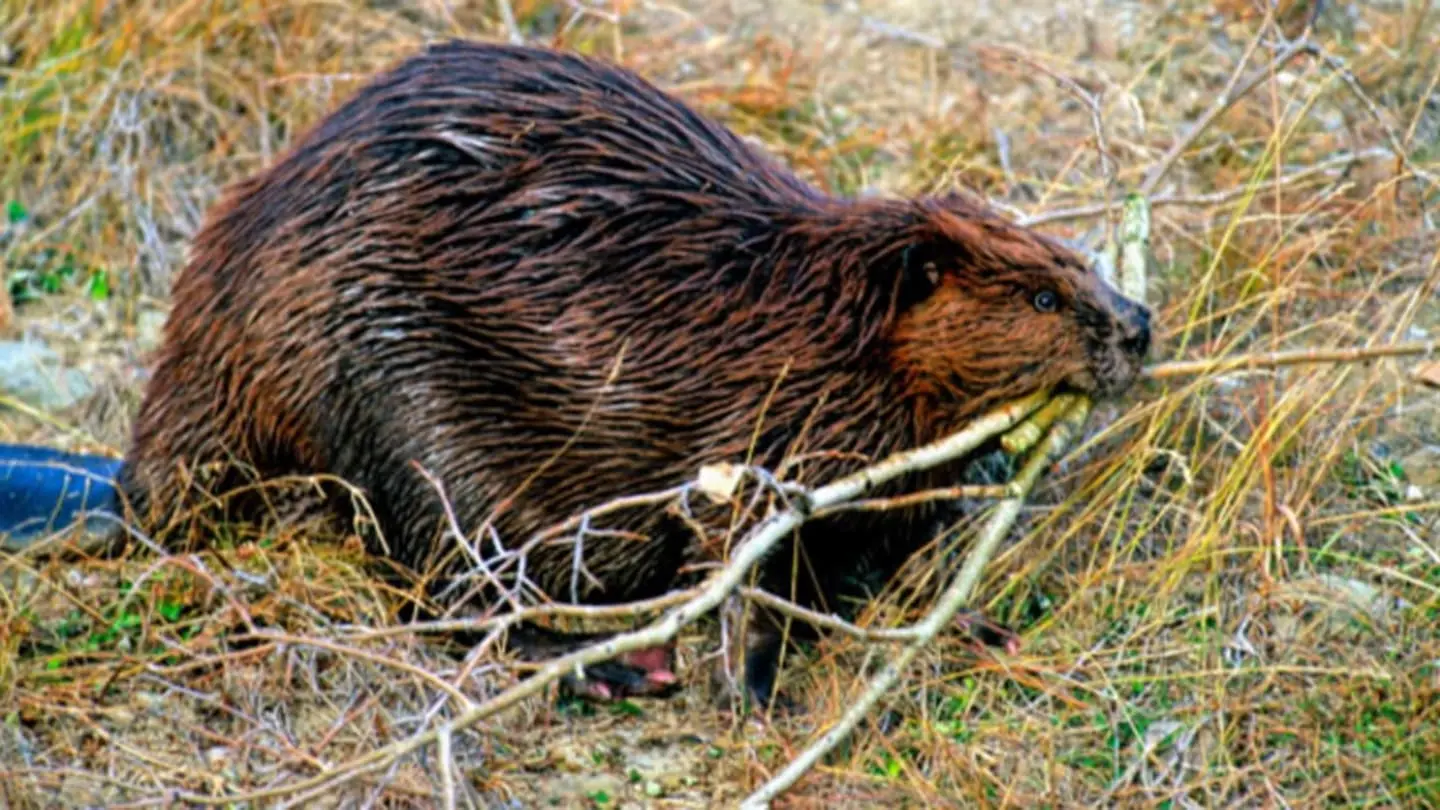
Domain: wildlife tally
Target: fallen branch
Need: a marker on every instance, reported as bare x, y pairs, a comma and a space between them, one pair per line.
944, 611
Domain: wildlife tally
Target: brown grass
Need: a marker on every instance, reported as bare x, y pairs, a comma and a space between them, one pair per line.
1229, 595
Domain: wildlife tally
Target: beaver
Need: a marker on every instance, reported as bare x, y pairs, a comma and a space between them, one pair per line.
541, 281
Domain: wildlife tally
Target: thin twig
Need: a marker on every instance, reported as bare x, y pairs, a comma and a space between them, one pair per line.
1235, 90
1253, 362
923, 496
1338, 65
619, 611
472, 551
354, 652
1097, 117
1210, 198
507, 18
893, 31
447, 770
574, 524
826, 621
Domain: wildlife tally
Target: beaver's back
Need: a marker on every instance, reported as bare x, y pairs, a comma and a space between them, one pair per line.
489, 141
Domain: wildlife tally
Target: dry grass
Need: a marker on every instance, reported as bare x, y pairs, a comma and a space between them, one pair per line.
1229, 596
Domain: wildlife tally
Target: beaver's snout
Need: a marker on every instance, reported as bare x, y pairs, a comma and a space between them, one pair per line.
1118, 346
1134, 328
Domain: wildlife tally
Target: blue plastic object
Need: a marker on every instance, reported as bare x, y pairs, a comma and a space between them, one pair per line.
43, 490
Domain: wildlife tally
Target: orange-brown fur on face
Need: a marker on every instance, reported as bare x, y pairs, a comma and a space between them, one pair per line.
979, 339
446, 271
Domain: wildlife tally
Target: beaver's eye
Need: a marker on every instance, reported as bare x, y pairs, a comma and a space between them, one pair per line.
1046, 301
932, 273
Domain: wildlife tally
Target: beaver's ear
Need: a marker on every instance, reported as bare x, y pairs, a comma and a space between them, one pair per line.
925, 242
934, 246
919, 270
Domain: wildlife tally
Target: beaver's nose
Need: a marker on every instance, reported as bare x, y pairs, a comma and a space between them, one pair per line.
1135, 334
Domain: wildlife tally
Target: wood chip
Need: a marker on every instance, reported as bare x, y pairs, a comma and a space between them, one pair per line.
1428, 374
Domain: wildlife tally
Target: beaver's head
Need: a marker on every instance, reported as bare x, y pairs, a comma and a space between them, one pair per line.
993, 311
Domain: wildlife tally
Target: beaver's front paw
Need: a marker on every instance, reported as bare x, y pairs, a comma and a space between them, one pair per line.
986, 633
638, 673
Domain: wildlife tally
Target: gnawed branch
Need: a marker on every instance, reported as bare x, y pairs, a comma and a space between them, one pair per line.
950, 603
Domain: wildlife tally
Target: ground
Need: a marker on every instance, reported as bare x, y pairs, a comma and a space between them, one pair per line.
1228, 595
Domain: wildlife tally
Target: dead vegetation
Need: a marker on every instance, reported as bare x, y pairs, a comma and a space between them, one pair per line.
1228, 591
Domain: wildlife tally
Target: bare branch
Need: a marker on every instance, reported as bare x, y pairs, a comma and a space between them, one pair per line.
944, 611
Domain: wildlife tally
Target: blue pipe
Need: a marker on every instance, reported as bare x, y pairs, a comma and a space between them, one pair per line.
43, 491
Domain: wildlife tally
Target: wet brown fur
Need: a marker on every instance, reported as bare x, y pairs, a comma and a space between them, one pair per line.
447, 270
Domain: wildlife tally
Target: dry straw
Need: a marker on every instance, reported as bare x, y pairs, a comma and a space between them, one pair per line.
1038, 425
